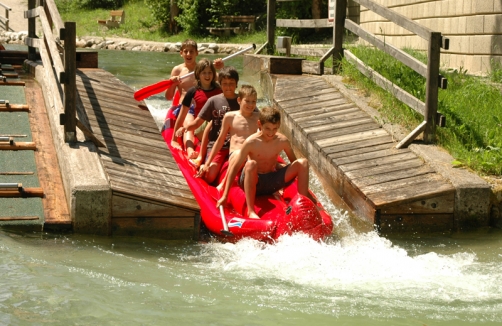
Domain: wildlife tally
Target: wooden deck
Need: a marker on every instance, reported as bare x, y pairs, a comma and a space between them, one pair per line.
149, 193
394, 189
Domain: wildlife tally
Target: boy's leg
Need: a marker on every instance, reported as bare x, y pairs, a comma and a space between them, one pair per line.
231, 162
212, 172
188, 138
250, 180
300, 169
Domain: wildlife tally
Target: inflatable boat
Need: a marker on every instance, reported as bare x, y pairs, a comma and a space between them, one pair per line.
284, 212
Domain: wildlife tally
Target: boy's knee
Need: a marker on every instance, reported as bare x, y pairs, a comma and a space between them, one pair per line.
303, 162
250, 165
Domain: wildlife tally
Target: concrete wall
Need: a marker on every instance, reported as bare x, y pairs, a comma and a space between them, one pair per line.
474, 28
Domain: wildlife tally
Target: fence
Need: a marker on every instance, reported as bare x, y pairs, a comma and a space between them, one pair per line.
58, 52
5, 19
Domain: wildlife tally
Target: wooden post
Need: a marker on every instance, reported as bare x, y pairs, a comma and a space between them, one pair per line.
431, 97
70, 84
32, 52
271, 26
338, 32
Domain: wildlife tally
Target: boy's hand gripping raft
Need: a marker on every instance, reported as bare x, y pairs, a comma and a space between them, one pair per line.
161, 86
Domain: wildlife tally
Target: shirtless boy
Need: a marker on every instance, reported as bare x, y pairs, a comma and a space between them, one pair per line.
213, 112
262, 174
189, 54
236, 125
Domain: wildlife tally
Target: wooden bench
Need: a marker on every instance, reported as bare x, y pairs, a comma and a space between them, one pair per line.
228, 20
117, 18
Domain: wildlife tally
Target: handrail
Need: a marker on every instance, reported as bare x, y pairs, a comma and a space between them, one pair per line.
60, 70
6, 18
430, 71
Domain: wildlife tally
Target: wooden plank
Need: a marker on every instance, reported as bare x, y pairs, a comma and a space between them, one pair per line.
314, 108
56, 210
285, 90
365, 143
312, 67
351, 138
383, 82
357, 202
118, 136
103, 107
416, 223
348, 152
285, 65
397, 18
14, 107
18, 146
24, 192
169, 228
111, 123
401, 183
136, 148
121, 122
11, 82
150, 166
387, 151
339, 124
411, 193
18, 218
397, 53
51, 42
346, 112
382, 161
434, 205
163, 162
348, 130
147, 193
129, 207
388, 168
396, 175
304, 23
161, 158
311, 98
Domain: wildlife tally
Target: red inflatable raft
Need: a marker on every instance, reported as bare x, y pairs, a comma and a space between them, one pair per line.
284, 212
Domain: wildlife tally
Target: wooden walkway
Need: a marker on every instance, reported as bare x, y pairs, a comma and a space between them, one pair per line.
150, 194
394, 189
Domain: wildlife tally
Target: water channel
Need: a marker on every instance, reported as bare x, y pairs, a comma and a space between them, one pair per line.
354, 278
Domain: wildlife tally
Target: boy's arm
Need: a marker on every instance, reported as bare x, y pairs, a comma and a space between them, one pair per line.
175, 78
225, 129
233, 170
288, 150
194, 124
179, 122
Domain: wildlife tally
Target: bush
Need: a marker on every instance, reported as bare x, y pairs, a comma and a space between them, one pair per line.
71, 5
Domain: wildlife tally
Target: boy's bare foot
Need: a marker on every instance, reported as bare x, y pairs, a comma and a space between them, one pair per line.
191, 154
253, 215
176, 145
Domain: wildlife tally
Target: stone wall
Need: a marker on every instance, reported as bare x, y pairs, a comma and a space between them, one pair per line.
474, 28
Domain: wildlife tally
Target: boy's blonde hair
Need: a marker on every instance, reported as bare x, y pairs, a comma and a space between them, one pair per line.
270, 114
187, 43
247, 90
200, 66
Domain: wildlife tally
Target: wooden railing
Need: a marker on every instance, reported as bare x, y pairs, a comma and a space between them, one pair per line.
58, 52
5, 19
430, 71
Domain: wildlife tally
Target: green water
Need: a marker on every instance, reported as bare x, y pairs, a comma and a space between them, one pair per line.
354, 278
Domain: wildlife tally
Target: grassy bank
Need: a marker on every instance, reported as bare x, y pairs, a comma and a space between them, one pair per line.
140, 25
472, 106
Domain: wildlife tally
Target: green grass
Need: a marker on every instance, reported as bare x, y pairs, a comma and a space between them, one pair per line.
140, 25
472, 106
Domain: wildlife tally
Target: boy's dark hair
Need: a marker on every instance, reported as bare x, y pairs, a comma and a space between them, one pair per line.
270, 114
200, 66
187, 43
228, 72
247, 90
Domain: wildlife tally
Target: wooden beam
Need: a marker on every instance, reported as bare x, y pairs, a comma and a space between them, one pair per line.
14, 107
398, 92
400, 55
17, 146
397, 18
304, 23
24, 192
51, 43
18, 218
89, 134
